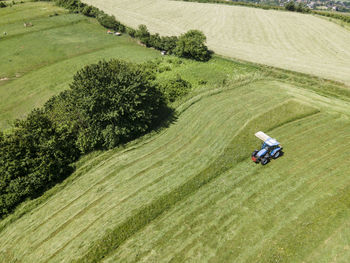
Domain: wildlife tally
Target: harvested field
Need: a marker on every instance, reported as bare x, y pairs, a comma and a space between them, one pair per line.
293, 41
114, 188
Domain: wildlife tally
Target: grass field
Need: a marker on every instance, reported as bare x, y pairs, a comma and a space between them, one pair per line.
288, 40
187, 193
40, 61
293, 209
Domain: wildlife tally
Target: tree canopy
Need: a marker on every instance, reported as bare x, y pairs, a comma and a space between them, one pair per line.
192, 45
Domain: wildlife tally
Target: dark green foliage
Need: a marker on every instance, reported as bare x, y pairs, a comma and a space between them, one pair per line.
156, 41
116, 102
33, 157
108, 103
90, 11
192, 45
131, 32
290, 6
169, 44
143, 35
175, 88
2, 5
110, 22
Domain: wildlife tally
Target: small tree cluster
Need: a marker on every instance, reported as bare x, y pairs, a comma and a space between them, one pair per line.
108, 103
291, 6
192, 45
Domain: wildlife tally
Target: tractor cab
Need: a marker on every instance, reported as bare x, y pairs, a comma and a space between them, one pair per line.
270, 148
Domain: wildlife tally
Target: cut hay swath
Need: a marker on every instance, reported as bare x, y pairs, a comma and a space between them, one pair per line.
288, 40
151, 196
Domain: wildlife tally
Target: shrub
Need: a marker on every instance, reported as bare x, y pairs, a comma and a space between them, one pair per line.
169, 43
131, 32
108, 21
143, 35
175, 88
2, 5
90, 11
192, 45
290, 6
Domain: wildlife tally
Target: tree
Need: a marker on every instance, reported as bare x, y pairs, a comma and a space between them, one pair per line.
143, 35
118, 101
192, 45
290, 6
33, 157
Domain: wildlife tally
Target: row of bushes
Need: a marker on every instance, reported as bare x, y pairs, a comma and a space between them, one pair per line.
108, 104
290, 6
189, 45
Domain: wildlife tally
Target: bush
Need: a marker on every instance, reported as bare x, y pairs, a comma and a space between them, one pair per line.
192, 45
175, 88
2, 5
109, 22
143, 35
290, 6
91, 11
169, 44
131, 32
116, 102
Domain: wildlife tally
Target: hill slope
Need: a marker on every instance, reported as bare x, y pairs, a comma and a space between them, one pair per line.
40, 61
221, 204
288, 40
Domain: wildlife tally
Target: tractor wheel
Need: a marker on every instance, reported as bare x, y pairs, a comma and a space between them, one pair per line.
276, 155
264, 161
254, 153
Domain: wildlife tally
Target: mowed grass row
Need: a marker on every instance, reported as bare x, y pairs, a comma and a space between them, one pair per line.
292, 210
288, 40
65, 226
40, 61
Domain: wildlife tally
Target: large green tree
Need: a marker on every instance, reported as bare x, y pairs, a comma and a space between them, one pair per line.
115, 102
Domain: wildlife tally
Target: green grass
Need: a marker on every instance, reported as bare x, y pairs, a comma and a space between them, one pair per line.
203, 157
187, 193
40, 61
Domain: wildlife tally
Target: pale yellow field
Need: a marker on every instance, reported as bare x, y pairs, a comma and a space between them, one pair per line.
293, 41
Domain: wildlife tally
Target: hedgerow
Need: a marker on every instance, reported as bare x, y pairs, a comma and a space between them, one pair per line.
167, 43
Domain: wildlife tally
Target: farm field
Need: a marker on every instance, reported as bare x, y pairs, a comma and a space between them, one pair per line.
188, 192
288, 40
40, 61
223, 207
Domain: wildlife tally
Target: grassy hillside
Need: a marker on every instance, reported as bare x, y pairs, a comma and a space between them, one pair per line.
188, 192
38, 62
298, 42
213, 201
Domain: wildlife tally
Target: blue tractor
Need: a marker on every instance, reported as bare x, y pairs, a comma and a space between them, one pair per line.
270, 149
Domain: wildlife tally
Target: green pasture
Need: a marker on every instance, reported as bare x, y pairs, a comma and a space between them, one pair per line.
191, 192
40, 61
